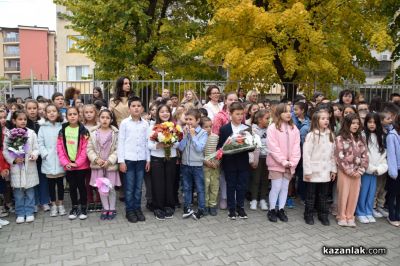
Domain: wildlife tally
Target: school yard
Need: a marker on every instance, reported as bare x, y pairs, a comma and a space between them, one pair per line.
209, 241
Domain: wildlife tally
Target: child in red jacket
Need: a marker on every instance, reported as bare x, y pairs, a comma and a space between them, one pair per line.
4, 166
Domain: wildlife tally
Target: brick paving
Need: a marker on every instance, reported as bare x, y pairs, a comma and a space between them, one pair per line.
210, 241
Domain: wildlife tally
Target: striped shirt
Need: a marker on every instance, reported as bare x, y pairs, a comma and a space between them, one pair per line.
211, 145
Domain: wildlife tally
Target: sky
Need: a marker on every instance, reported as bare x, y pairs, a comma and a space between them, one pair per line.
41, 13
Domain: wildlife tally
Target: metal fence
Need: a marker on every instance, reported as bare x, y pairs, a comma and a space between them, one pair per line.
148, 89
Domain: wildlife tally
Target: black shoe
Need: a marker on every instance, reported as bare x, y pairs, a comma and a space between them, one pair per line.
241, 213
213, 211
232, 214
74, 213
104, 215
159, 214
169, 213
324, 220
140, 216
131, 216
111, 214
149, 206
187, 212
197, 215
206, 211
272, 216
309, 219
282, 216
91, 207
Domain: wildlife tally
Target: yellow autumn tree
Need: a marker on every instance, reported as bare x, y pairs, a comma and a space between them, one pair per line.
294, 40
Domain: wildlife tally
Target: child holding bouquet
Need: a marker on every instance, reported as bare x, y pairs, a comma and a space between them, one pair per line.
163, 141
236, 167
24, 175
102, 153
283, 144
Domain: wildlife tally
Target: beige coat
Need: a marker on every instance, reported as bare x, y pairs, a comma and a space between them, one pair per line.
318, 157
93, 150
121, 110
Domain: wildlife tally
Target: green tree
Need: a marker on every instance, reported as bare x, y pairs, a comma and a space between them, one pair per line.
135, 37
294, 40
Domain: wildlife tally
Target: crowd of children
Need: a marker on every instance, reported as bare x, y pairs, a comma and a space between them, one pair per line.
337, 157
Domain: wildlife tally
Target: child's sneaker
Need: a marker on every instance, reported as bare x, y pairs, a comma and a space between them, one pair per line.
376, 214
363, 219
290, 203
112, 214
83, 213
371, 219
3, 212
263, 205
20, 220
342, 223
282, 215
4, 222
383, 211
53, 211
91, 207
30, 218
46, 207
159, 215
169, 213
232, 214
213, 211
253, 205
351, 223
272, 216
74, 213
187, 212
61, 210
104, 215
241, 213
197, 215
140, 216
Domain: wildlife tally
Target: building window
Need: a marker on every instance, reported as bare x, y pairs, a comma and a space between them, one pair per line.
11, 37
77, 73
72, 45
11, 50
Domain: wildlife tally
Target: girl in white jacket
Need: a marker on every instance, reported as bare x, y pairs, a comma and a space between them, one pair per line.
319, 167
373, 132
24, 175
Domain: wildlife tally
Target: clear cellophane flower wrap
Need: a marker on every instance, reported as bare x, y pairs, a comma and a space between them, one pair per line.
167, 133
243, 141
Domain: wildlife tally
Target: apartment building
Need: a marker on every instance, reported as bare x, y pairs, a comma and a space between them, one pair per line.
72, 62
27, 51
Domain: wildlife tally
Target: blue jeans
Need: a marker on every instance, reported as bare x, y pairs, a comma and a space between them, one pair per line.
133, 180
24, 201
236, 184
190, 174
367, 195
42, 190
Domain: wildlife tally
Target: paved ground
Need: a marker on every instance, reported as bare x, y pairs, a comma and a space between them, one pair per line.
210, 241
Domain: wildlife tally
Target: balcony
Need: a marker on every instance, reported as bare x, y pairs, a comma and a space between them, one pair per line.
11, 39
12, 69
11, 54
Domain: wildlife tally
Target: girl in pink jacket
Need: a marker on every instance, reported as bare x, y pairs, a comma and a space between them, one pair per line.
71, 148
283, 146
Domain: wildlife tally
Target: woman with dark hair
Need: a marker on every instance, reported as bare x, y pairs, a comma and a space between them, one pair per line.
119, 103
241, 95
97, 96
213, 106
346, 97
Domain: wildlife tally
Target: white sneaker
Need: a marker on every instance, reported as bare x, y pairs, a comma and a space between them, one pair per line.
61, 210
82, 216
53, 211
376, 214
253, 205
263, 205
4, 222
383, 212
342, 223
20, 220
46, 207
363, 219
371, 219
30, 218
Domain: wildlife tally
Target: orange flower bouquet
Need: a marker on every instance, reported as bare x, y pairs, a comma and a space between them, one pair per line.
167, 133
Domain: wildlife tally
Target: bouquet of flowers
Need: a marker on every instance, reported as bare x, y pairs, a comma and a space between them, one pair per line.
237, 143
16, 143
167, 133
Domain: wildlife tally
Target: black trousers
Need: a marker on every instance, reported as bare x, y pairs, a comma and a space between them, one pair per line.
317, 195
393, 197
53, 182
163, 182
76, 180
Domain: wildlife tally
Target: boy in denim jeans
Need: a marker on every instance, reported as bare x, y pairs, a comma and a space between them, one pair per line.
192, 147
133, 158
